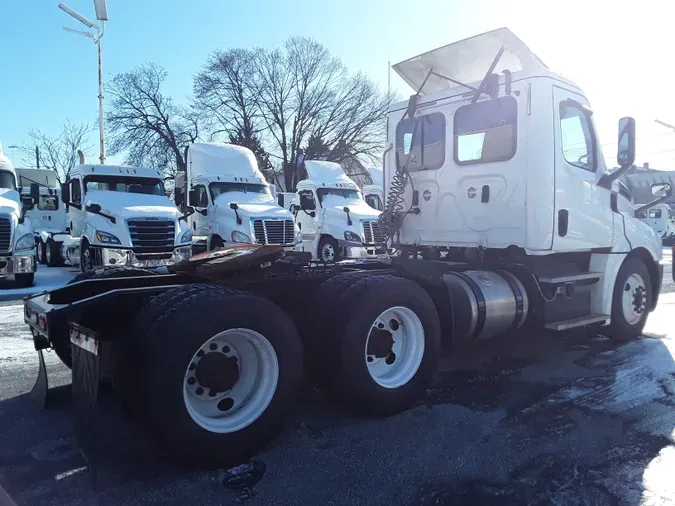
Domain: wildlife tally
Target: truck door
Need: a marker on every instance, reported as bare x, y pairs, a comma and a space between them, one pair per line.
200, 224
76, 212
308, 225
583, 217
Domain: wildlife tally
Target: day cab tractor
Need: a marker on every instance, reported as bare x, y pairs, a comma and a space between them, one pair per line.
503, 216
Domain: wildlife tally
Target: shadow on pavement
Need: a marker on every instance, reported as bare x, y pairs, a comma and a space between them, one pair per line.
530, 421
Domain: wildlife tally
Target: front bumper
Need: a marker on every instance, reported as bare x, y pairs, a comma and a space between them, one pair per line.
17, 264
363, 251
126, 257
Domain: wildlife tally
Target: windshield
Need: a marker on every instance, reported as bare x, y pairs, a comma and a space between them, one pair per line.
7, 180
339, 195
218, 189
122, 184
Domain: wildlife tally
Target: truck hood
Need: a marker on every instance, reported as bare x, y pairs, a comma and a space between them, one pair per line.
250, 207
132, 205
9, 201
357, 211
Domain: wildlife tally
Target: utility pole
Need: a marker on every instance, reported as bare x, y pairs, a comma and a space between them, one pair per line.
102, 16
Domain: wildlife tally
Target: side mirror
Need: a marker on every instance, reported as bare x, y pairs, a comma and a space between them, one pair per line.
94, 208
661, 190
35, 192
306, 203
234, 206
312, 214
625, 155
65, 193
345, 209
193, 198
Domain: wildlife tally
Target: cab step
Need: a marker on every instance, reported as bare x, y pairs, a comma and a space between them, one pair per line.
579, 321
570, 278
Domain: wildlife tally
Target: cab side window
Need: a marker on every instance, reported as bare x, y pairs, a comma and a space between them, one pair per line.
577, 136
307, 201
75, 192
202, 197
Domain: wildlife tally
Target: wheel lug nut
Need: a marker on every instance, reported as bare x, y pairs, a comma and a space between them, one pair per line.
192, 381
199, 391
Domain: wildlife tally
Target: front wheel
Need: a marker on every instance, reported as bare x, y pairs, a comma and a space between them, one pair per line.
631, 300
86, 257
41, 248
328, 250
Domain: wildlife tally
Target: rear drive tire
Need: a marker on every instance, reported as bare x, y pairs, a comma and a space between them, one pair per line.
384, 346
53, 253
60, 339
41, 249
24, 280
631, 300
328, 250
200, 405
216, 242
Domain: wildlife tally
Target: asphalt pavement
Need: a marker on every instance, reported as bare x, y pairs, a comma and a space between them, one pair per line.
547, 419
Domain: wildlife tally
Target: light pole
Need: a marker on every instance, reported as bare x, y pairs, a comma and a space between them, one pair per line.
102, 16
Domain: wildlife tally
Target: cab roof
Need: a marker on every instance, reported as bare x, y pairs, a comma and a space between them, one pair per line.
323, 173
114, 170
223, 162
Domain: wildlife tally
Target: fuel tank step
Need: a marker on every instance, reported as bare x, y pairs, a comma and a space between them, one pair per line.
570, 278
579, 321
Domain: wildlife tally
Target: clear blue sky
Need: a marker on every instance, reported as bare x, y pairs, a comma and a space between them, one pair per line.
620, 54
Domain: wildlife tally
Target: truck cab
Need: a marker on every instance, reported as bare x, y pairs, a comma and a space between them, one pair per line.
373, 193
334, 219
496, 158
17, 244
232, 202
48, 215
119, 216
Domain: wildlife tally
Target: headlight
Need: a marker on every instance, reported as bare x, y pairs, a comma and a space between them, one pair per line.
240, 237
351, 236
25, 242
186, 237
298, 238
106, 238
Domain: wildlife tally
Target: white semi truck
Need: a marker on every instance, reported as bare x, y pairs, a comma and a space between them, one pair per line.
48, 215
232, 202
504, 218
373, 193
17, 244
118, 216
661, 219
335, 222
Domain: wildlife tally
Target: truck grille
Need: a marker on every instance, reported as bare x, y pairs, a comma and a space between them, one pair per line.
5, 234
274, 231
371, 232
151, 236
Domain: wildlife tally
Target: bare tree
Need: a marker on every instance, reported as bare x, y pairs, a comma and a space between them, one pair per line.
291, 95
58, 153
146, 124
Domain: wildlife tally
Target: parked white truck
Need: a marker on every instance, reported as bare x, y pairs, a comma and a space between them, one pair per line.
232, 201
504, 217
335, 222
118, 216
661, 219
48, 215
17, 244
373, 193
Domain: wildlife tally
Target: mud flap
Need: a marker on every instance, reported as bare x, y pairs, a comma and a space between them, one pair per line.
86, 375
40, 391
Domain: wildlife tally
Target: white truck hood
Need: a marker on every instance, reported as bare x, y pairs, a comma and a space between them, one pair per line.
357, 211
132, 205
250, 207
9, 202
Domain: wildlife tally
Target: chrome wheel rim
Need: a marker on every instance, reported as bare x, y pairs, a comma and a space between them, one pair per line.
634, 299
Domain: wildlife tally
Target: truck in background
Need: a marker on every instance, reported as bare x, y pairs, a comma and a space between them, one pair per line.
48, 215
232, 202
286, 199
117, 216
17, 243
661, 219
373, 193
335, 222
